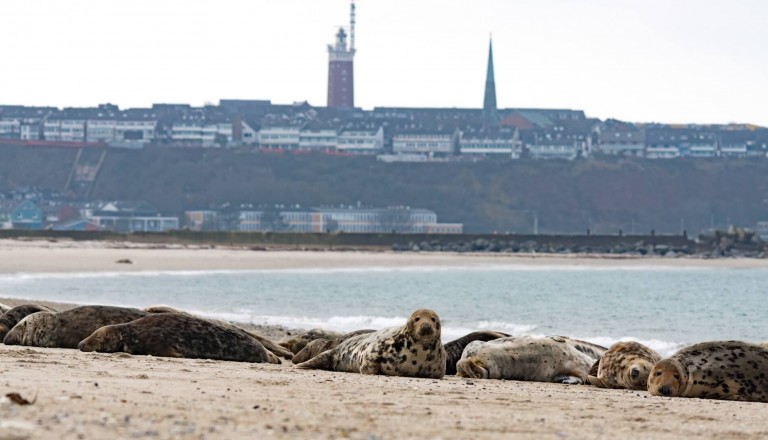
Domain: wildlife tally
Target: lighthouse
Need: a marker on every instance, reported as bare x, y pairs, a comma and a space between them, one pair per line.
341, 68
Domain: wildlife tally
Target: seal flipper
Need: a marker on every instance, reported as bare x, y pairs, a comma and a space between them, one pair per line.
323, 361
596, 381
570, 380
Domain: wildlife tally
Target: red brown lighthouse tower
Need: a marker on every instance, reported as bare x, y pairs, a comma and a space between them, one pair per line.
341, 68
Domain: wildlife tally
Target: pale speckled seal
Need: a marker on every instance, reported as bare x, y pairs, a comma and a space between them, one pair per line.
547, 359
455, 348
725, 370
413, 350
12, 317
297, 342
317, 346
66, 329
178, 335
625, 365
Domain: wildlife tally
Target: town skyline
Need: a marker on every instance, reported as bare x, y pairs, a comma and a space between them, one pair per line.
691, 62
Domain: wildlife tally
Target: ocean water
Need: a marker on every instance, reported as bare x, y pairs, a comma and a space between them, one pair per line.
663, 307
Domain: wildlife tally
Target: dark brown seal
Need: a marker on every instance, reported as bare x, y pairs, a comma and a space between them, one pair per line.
313, 348
178, 335
455, 348
12, 317
725, 370
413, 350
66, 329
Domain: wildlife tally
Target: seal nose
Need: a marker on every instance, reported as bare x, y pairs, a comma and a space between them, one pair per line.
426, 329
665, 390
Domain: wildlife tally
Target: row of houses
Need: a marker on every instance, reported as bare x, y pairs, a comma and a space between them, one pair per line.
394, 134
346, 219
125, 217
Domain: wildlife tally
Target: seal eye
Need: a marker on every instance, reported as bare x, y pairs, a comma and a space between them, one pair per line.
433, 319
417, 319
677, 376
658, 373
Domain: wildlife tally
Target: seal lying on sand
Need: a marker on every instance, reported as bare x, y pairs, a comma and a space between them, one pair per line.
455, 348
267, 343
66, 329
178, 335
725, 370
12, 317
317, 346
548, 359
624, 365
297, 342
413, 350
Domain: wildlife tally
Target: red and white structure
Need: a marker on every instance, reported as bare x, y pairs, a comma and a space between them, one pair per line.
341, 78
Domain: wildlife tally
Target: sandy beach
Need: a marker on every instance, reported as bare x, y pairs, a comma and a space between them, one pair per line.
90, 395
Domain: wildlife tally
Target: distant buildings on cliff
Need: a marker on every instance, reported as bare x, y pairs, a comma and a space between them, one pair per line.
35, 210
392, 134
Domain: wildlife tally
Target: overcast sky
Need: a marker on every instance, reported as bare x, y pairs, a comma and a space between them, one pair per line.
640, 60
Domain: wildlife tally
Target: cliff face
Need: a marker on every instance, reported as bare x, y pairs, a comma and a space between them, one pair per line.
603, 196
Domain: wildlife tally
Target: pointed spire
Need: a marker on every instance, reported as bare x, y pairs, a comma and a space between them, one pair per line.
489, 103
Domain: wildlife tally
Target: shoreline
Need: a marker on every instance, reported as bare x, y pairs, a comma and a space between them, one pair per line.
45, 256
92, 395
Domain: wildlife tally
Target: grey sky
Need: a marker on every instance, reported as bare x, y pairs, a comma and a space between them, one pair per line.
650, 60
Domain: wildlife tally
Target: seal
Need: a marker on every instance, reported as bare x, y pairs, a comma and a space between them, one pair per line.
297, 342
66, 329
625, 365
267, 343
413, 350
12, 317
547, 359
455, 348
178, 335
724, 370
313, 348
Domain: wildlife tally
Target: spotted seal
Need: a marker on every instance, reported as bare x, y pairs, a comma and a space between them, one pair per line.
317, 346
455, 348
12, 317
178, 335
413, 350
66, 329
725, 370
297, 342
538, 359
625, 365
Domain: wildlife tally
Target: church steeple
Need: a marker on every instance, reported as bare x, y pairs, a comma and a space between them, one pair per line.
489, 103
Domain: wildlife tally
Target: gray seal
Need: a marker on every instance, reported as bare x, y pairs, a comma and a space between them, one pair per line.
178, 335
297, 342
625, 365
455, 348
317, 346
66, 329
724, 370
527, 358
413, 350
12, 317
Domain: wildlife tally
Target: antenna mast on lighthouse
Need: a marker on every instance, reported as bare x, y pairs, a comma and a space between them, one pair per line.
352, 26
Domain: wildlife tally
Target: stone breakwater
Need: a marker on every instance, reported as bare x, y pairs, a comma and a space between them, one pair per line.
716, 245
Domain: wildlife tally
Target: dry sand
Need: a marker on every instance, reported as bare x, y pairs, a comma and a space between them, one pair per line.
115, 396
